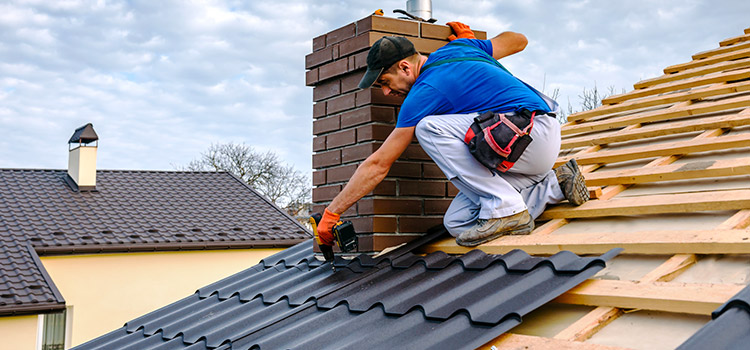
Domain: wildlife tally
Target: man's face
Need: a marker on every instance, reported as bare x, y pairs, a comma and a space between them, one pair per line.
397, 83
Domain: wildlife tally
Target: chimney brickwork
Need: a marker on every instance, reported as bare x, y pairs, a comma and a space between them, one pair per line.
350, 124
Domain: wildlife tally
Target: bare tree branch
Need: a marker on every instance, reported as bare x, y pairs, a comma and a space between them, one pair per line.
287, 187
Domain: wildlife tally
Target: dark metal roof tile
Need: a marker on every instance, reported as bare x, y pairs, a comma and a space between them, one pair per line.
400, 300
374, 330
729, 327
291, 256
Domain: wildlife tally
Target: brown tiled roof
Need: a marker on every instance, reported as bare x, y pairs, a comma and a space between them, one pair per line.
128, 211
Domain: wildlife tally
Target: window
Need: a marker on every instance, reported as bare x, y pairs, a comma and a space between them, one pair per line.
53, 333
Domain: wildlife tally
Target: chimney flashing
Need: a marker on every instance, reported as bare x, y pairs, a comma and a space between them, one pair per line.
74, 186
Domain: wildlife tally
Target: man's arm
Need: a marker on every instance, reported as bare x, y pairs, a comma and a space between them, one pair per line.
373, 170
507, 43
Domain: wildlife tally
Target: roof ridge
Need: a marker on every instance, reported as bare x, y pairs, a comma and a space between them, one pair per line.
122, 170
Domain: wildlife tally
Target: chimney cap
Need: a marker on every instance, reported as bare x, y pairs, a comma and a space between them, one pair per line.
84, 134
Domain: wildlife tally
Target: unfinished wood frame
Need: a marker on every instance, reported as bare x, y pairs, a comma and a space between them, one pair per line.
707, 95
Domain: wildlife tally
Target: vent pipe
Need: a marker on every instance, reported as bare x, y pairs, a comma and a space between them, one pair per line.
420, 8
82, 157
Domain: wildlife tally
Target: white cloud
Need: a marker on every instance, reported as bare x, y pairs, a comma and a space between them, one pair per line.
162, 80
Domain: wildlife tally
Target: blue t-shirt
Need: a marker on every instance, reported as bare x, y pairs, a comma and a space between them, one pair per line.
465, 87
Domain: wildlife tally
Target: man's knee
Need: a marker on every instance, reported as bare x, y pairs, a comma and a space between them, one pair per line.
452, 226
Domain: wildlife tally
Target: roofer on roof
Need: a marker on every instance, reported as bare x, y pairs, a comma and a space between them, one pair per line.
499, 195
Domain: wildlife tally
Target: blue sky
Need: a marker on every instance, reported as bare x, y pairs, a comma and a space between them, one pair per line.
163, 80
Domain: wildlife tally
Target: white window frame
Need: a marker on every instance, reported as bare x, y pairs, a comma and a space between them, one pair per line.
68, 328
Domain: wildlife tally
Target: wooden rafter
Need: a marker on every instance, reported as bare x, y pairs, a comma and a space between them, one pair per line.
688, 73
691, 298
665, 149
720, 50
629, 106
737, 39
712, 78
692, 170
672, 128
729, 56
586, 326
680, 110
510, 341
646, 242
659, 99
654, 204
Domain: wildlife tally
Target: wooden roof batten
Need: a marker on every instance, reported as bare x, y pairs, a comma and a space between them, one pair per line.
704, 105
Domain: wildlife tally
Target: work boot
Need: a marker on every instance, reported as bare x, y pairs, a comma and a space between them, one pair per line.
488, 229
571, 182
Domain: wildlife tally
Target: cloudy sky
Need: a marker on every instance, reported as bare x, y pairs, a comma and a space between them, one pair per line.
163, 80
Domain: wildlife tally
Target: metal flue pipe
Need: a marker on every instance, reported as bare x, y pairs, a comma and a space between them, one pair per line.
420, 8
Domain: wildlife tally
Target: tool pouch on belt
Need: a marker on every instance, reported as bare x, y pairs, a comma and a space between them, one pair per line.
497, 140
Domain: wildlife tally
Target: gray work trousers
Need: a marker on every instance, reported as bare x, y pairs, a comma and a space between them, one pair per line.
529, 184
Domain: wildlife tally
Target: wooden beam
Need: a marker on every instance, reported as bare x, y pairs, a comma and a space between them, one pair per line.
717, 77
671, 148
663, 129
653, 204
595, 192
549, 227
690, 298
735, 40
692, 170
729, 56
586, 326
631, 106
738, 221
645, 242
680, 110
720, 50
670, 268
509, 341
690, 73
589, 324
612, 191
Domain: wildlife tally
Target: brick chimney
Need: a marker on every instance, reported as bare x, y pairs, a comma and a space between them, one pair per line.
82, 157
350, 124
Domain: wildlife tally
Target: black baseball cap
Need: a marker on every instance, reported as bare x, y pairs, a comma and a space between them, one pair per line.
383, 54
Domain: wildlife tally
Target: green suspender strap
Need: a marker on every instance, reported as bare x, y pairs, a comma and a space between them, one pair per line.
486, 58
552, 104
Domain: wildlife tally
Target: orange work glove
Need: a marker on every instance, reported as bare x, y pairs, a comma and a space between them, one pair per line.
325, 227
462, 31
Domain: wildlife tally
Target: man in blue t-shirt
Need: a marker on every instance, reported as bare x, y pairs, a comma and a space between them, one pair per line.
444, 93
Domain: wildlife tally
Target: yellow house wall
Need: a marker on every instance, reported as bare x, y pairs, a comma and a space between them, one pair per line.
104, 291
18, 332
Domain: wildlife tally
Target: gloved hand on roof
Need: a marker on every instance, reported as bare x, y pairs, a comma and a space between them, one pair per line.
325, 227
462, 31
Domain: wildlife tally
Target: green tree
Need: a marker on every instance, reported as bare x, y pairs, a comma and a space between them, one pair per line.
285, 186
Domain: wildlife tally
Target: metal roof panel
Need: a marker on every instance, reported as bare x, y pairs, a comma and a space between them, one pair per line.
382, 302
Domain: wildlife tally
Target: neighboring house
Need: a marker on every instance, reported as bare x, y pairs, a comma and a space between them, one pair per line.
668, 165
83, 251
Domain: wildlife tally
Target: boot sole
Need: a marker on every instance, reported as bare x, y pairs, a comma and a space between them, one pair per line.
579, 194
516, 232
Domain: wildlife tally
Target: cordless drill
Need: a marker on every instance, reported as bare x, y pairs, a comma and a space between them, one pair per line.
343, 234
